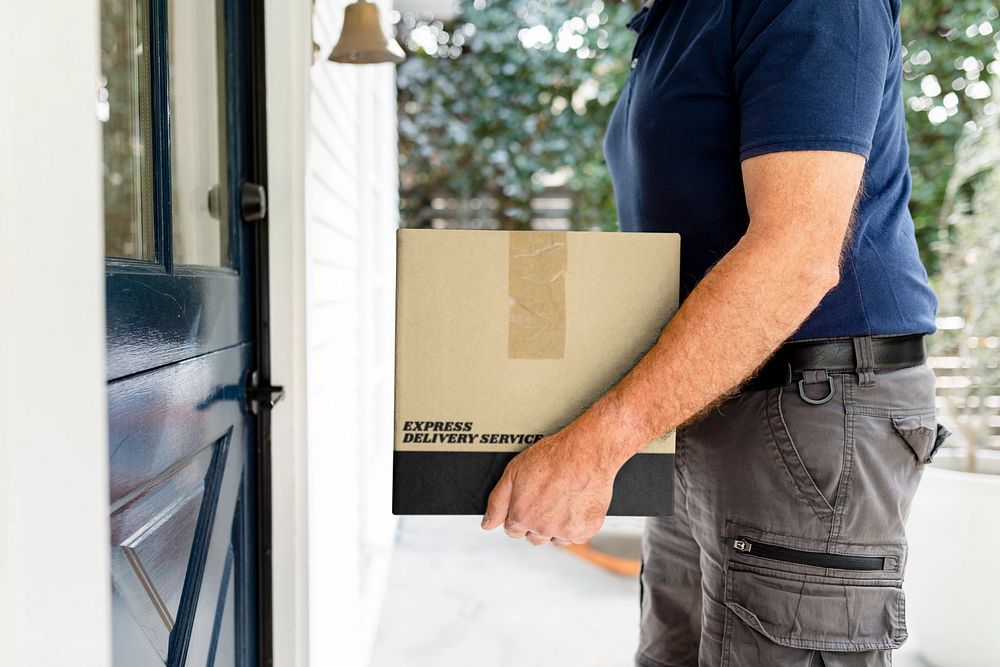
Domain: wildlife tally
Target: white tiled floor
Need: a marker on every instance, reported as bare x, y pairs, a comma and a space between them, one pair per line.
459, 596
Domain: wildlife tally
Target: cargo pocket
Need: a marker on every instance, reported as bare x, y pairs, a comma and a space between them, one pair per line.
773, 617
921, 432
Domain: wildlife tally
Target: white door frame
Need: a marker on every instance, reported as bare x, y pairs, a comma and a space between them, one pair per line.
288, 55
55, 570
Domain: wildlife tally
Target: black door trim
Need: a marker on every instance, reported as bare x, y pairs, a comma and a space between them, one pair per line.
261, 327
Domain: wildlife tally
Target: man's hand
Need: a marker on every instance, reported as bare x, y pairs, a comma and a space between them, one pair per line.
555, 490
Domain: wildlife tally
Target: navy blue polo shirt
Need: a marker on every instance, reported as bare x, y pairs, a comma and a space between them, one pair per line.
714, 83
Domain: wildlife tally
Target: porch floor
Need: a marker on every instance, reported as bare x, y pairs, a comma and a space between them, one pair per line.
458, 596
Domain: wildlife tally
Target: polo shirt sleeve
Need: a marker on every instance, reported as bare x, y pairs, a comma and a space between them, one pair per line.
810, 74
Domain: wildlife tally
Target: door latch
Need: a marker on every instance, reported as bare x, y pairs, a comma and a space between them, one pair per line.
253, 201
261, 396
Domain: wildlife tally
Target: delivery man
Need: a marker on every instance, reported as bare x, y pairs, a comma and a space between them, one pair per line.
770, 135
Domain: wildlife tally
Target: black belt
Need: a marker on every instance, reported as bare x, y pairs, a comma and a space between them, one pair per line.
838, 355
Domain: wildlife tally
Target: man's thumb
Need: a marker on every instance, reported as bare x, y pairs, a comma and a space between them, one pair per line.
496, 506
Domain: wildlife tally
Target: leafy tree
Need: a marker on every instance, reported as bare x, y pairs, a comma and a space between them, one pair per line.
514, 89
970, 273
949, 51
507, 92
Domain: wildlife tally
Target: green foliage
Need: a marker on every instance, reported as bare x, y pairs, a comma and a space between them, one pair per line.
949, 49
487, 105
970, 273
509, 91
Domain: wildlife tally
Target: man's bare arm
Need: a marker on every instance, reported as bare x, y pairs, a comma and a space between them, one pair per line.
800, 206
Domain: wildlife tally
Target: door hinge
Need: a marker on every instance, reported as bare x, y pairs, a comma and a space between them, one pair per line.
261, 396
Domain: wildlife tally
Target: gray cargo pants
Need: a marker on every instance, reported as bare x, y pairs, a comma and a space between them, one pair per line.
787, 544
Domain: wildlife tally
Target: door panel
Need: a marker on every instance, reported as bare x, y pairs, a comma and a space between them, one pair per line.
156, 318
160, 419
222, 649
154, 536
178, 459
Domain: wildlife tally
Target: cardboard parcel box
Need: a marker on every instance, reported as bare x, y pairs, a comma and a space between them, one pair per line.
503, 338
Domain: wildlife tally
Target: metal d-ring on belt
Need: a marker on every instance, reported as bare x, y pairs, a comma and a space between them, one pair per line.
814, 361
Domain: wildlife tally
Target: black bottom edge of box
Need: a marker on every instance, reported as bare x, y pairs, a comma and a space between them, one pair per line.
461, 482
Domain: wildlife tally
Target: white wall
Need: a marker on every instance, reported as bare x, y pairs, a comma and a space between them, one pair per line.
287, 59
54, 559
333, 212
352, 212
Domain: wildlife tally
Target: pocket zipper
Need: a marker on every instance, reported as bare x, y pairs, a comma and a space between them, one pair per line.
815, 558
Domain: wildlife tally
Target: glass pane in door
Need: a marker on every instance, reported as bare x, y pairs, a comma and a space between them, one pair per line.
123, 99
199, 184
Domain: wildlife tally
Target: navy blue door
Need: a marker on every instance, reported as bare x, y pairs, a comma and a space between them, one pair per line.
180, 148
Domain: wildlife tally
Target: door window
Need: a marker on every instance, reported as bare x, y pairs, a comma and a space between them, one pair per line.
123, 107
200, 195
190, 110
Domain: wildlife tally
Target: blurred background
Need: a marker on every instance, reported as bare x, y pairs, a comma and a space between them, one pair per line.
502, 110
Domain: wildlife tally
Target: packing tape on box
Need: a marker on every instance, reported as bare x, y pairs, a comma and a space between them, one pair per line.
537, 288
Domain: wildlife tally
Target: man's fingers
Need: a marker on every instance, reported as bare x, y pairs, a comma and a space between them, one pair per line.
560, 542
535, 538
514, 530
496, 506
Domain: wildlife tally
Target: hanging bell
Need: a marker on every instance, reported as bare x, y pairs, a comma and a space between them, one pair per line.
362, 39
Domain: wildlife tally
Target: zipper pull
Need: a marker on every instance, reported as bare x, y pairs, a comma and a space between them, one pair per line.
739, 543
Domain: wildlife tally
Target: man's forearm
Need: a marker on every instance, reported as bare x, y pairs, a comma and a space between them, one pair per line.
743, 309
800, 206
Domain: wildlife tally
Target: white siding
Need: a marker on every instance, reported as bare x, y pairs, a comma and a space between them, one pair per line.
351, 215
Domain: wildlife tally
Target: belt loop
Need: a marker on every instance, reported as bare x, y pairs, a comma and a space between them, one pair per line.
864, 360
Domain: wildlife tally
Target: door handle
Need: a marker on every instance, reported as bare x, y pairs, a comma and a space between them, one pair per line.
253, 201
261, 396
